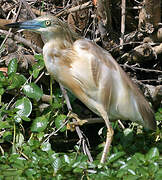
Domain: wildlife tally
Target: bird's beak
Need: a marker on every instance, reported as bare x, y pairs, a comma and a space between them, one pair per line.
31, 24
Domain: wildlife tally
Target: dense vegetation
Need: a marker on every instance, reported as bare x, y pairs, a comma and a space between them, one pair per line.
135, 153
34, 140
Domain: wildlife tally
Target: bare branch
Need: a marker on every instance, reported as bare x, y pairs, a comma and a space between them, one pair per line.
79, 132
22, 40
123, 6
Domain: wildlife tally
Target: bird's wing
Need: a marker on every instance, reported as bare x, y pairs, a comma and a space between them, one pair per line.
94, 77
89, 50
110, 80
93, 67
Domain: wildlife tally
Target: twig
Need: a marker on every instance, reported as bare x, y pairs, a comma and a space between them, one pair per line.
22, 40
7, 35
54, 132
28, 8
149, 80
79, 132
2, 151
124, 44
46, 98
39, 77
121, 124
25, 156
141, 69
38, 12
66, 10
122, 22
76, 8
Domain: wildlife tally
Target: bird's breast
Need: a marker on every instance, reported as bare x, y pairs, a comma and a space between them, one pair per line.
52, 58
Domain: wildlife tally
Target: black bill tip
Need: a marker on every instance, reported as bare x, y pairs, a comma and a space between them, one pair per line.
14, 25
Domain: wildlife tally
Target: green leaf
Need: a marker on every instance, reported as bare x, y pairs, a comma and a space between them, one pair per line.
19, 140
18, 163
36, 73
39, 124
2, 77
158, 175
144, 172
56, 164
12, 172
139, 157
153, 167
118, 163
46, 146
59, 121
12, 67
57, 104
66, 159
16, 81
115, 156
2, 91
24, 118
35, 144
122, 171
24, 107
38, 66
158, 115
17, 118
40, 136
152, 154
33, 91
127, 131
130, 177
7, 136
39, 57
4, 124
30, 172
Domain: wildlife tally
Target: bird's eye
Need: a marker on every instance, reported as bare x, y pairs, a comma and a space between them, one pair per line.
48, 23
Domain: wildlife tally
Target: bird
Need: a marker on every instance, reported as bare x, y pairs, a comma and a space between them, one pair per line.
91, 74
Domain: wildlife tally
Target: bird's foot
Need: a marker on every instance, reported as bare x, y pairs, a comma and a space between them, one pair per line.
77, 122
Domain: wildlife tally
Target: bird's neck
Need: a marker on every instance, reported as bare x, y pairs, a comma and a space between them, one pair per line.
62, 38
59, 43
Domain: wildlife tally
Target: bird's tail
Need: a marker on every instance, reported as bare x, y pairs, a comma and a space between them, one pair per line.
144, 107
146, 112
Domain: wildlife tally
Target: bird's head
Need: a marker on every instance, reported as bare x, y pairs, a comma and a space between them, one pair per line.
48, 26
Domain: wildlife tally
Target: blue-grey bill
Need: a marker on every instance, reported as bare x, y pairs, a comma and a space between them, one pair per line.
31, 24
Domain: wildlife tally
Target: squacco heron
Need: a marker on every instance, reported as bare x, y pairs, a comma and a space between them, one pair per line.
91, 74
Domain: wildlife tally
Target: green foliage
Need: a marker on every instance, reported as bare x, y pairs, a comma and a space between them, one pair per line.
27, 154
36, 68
39, 161
39, 124
59, 122
12, 67
24, 107
33, 91
15, 81
158, 115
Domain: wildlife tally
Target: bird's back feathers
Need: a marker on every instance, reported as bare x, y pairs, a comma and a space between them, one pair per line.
101, 58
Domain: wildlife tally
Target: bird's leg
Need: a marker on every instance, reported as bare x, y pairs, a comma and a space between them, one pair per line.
71, 126
109, 137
